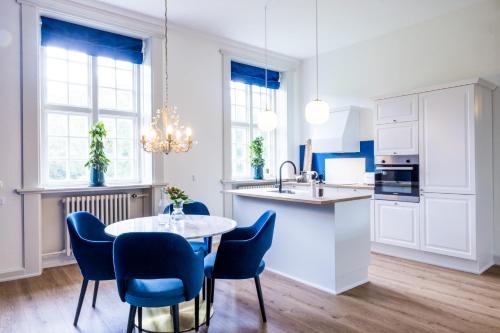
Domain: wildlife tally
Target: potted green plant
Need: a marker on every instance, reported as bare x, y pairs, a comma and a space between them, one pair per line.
178, 198
98, 162
256, 159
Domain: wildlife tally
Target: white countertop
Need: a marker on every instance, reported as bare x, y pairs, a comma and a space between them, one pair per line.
298, 196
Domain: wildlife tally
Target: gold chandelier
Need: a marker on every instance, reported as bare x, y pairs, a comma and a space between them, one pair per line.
166, 134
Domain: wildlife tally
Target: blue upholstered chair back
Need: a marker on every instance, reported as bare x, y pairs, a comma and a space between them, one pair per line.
193, 208
241, 250
92, 247
157, 255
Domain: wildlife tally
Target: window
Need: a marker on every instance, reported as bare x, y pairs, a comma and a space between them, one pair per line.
246, 102
78, 91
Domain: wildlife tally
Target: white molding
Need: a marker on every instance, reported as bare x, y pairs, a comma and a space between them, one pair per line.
56, 260
477, 81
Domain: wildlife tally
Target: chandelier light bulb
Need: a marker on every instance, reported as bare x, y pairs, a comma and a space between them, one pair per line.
317, 112
267, 121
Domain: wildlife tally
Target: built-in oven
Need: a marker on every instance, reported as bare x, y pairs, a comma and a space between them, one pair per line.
396, 178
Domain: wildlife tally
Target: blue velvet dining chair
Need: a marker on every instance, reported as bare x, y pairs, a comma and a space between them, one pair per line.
157, 269
196, 208
239, 256
93, 250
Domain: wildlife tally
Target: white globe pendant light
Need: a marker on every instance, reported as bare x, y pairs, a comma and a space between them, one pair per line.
317, 111
267, 120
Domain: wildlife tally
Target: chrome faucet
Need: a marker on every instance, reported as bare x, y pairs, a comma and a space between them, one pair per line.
280, 188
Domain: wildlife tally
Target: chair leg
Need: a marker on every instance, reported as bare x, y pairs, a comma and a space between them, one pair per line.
209, 293
139, 317
80, 300
176, 318
203, 291
131, 317
196, 312
213, 291
261, 299
96, 288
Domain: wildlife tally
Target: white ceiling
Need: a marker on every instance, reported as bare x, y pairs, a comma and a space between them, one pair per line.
291, 22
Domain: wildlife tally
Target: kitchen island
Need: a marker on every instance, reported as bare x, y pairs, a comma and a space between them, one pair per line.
322, 242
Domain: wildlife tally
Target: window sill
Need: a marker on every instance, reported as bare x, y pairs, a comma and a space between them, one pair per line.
85, 188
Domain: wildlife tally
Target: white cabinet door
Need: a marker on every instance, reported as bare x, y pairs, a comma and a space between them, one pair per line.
397, 223
448, 224
397, 109
447, 141
372, 220
396, 139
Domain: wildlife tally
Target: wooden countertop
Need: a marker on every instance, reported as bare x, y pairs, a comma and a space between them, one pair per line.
298, 196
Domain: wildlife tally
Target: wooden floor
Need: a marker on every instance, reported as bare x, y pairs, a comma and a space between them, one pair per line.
402, 296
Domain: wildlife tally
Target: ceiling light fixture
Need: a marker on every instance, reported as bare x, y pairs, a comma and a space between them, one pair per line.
165, 133
317, 111
267, 120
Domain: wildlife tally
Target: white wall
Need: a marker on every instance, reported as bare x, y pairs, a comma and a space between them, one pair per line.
11, 228
460, 45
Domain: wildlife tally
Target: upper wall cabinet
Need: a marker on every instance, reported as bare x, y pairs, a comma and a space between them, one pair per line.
397, 139
447, 141
397, 109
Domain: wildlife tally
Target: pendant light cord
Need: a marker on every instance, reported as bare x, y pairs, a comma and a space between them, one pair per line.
166, 56
317, 56
265, 53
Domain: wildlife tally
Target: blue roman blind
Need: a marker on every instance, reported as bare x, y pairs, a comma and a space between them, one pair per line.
254, 75
91, 41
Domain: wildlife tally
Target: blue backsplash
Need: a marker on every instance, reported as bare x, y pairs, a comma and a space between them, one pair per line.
318, 159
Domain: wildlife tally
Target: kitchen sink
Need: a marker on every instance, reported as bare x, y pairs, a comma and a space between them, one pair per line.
284, 191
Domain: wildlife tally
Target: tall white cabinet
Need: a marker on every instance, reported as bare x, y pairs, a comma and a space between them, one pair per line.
452, 225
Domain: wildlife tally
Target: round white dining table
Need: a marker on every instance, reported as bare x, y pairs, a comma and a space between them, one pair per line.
191, 227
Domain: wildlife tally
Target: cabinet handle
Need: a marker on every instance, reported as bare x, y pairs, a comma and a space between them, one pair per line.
394, 153
395, 204
394, 120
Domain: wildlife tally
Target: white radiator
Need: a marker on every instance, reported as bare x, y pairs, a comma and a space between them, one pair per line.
109, 208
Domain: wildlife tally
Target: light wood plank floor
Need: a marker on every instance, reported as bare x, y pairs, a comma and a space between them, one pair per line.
402, 296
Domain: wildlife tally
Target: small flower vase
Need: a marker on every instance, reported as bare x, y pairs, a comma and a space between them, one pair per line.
177, 214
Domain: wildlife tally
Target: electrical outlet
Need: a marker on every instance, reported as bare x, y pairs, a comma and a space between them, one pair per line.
193, 178
2, 201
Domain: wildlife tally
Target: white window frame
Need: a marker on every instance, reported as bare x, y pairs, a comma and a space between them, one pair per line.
252, 125
94, 112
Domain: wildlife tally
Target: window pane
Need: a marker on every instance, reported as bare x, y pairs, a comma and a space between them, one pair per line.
57, 92
77, 170
57, 147
78, 148
57, 170
106, 77
78, 95
124, 79
124, 65
57, 69
110, 173
240, 114
103, 61
124, 100
240, 97
79, 125
107, 98
124, 169
124, 149
56, 52
109, 148
78, 56
125, 128
57, 124
109, 124
78, 73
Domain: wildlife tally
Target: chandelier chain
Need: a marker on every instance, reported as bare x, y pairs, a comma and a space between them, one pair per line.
166, 53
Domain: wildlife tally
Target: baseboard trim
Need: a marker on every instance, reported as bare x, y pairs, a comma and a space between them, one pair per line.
56, 260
